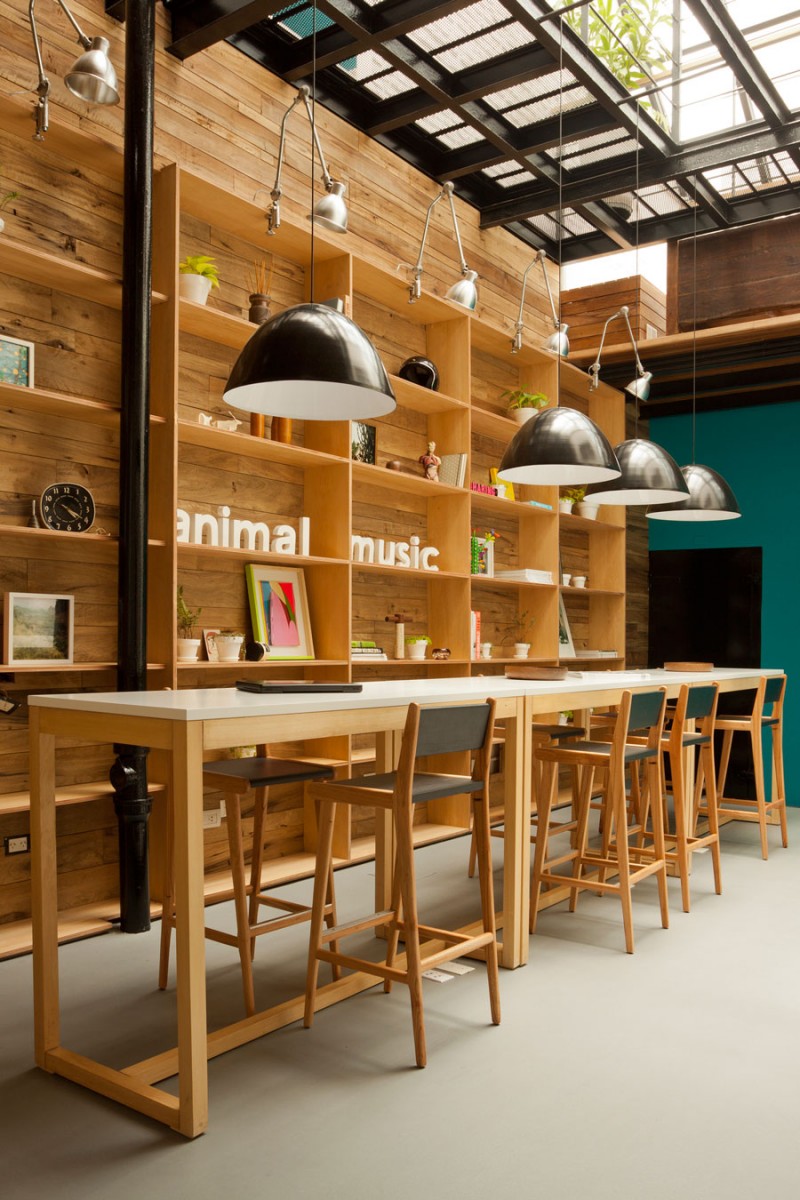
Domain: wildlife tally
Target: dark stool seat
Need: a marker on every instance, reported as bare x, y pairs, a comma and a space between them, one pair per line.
237, 778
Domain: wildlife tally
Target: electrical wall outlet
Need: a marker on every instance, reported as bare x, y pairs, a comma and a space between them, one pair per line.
21, 844
212, 818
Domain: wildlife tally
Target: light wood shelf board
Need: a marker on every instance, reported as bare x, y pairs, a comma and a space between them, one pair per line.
62, 546
390, 288
492, 581
499, 504
436, 663
205, 666
235, 553
78, 793
62, 274
205, 321
230, 442
572, 521
588, 591
424, 400
55, 668
492, 424
59, 404
408, 572
402, 481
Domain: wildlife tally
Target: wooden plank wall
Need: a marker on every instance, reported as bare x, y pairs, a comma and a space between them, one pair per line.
745, 273
218, 115
587, 309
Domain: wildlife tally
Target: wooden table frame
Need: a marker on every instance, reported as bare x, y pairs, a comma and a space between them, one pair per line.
182, 739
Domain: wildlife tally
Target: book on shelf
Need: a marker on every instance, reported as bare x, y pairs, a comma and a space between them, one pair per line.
526, 575
475, 633
453, 470
539, 504
367, 651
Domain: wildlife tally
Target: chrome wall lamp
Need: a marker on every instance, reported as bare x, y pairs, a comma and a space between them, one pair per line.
639, 387
91, 77
464, 290
331, 210
557, 341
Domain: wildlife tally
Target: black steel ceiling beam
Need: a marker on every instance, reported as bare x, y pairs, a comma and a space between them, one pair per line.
198, 24
564, 43
734, 50
701, 156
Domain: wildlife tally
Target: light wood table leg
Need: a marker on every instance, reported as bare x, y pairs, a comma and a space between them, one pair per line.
517, 840
44, 892
187, 793
387, 753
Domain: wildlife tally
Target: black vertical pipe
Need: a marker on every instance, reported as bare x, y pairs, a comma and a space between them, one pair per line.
128, 774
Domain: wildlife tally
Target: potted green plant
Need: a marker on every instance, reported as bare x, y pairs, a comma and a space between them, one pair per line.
229, 644
5, 200
519, 632
188, 644
198, 275
569, 498
523, 405
417, 644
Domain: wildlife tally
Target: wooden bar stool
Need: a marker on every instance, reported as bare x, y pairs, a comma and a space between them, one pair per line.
697, 704
237, 778
769, 694
540, 735
427, 731
639, 711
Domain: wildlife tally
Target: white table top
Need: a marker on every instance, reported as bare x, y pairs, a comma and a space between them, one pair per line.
207, 704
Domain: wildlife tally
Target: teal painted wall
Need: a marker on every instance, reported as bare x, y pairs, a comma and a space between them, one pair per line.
758, 452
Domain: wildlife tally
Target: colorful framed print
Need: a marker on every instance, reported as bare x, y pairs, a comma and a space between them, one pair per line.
566, 647
38, 628
482, 556
279, 610
363, 443
16, 361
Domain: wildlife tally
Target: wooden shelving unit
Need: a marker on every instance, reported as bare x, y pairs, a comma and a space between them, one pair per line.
202, 469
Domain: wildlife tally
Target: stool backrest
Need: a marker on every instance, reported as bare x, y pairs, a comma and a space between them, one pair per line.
700, 700
773, 688
696, 702
447, 730
645, 708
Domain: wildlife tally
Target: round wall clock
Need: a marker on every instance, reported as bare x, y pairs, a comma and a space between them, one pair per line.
67, 507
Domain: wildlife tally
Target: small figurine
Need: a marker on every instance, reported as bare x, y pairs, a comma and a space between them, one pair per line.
431, 462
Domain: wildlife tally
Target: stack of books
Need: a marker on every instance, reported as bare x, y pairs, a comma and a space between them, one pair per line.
526, 575
362, 651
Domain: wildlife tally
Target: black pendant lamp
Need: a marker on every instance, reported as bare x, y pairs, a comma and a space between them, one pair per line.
710, 498
559, 446
311, 362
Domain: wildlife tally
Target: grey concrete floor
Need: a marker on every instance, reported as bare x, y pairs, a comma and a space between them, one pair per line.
672, 1072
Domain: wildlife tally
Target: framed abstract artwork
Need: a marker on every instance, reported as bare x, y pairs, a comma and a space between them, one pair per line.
16, 361
279, 611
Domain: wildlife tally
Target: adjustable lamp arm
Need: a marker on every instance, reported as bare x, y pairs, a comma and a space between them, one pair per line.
41, 112
415, 291
594, 369
516, 344
274, 214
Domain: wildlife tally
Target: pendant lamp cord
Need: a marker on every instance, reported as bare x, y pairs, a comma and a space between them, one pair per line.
560, 187
636, 268
313, 138
694, 328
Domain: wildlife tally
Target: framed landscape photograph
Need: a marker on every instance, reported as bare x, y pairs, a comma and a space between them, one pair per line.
363, 443
279, 610
37, 628
16, 361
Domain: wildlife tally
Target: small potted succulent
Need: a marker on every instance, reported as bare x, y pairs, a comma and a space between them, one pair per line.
417, 645
229, 644
198, 275
188, 644
523, 405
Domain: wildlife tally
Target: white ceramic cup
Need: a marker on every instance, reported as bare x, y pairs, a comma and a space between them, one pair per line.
579, 581
486, 649
565, 578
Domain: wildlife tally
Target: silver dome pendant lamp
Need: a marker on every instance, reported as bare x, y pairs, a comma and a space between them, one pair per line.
558, 446
311, 362
649, 474
711, 498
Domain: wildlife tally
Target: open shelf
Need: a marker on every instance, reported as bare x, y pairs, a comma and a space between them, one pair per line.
59, 404
403, 481
205, 321
76, 793
193, 433
62, 274
424, 400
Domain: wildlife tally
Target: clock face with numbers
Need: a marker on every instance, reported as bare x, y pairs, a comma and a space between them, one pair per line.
67, 507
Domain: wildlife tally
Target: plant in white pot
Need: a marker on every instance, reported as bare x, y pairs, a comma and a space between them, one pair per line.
519, 632
523, 405
588, 509
188, 644
229, 645
417, 645
569, 498
198, 275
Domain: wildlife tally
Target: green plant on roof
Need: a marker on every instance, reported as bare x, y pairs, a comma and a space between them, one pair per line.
200, 264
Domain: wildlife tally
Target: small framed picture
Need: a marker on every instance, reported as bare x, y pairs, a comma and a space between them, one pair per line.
504, 488
566, 648
279, 610
37, 628
16, 361
210, 643
363, 442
